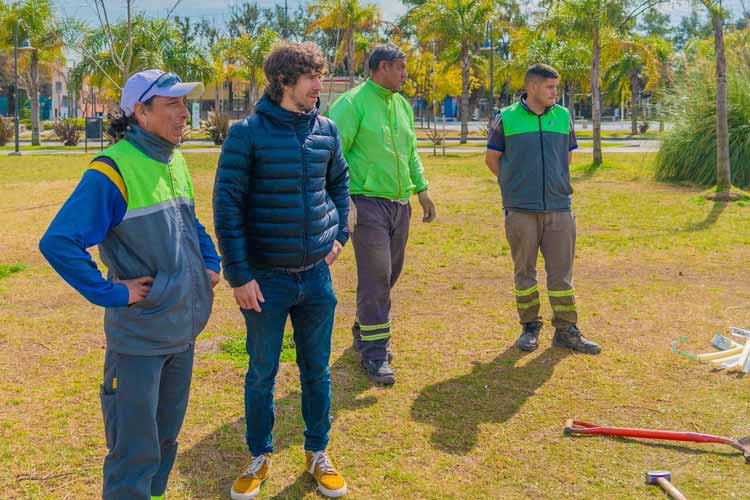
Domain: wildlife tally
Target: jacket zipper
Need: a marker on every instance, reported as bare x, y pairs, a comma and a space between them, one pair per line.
544, 170
395, 150
181, 229
304, 198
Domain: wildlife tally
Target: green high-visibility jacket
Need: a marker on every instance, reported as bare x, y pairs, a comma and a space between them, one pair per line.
376, 127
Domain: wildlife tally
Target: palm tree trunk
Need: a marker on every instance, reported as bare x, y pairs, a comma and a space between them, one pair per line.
465, 77
34, 97
723, 170
571, 101
253, 94
217, 99
634, 91
596, 112
350, 56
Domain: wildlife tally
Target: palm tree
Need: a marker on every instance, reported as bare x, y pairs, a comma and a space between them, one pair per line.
249, 53
155, 43
636, 66
723, 168
39, 24
457, 28
349, 17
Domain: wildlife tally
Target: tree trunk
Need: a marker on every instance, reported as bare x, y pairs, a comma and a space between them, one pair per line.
465, 79
596, 112
634, 92
130, 42
350, 56
571, 101
253, 94
34, 97
217, 99
723, 170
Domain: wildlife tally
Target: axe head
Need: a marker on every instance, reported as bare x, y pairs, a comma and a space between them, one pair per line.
652, 477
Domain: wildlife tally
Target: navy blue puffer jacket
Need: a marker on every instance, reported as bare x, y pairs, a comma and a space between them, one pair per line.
281, 194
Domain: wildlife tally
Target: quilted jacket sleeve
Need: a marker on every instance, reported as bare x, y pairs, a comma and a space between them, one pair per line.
337, 185
231, 188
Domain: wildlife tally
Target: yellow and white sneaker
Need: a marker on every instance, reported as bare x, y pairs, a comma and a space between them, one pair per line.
248, 485
330, 482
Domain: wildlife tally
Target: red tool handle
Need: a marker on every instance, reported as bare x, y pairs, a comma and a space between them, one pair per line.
582, 427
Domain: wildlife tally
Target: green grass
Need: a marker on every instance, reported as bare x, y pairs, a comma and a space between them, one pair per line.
453, 143
8, 269
586, 133
235, 350
469, 416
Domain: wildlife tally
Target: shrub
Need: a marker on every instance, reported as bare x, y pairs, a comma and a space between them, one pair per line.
688, 150
217, 127
7, 130
67, 131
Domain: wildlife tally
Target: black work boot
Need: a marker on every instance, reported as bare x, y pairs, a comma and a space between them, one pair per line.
529, 339
571, 337
379, 371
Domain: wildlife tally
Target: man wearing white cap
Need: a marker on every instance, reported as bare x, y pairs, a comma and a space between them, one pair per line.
136, 203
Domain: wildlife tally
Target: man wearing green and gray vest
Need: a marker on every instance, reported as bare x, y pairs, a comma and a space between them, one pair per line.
529, 150
376, 127
135, 201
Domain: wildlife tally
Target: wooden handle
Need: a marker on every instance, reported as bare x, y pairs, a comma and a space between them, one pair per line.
670, 489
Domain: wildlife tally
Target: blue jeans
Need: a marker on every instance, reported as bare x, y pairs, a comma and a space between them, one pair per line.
308, 298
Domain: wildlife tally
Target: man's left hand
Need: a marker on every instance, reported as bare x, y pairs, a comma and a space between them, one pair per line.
334, 253
214, 277
428, 206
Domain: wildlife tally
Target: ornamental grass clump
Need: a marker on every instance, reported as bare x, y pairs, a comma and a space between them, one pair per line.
688, 150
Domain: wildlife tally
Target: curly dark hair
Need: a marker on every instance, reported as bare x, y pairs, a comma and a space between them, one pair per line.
287, 62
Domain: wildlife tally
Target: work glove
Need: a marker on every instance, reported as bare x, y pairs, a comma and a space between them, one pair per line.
428, 206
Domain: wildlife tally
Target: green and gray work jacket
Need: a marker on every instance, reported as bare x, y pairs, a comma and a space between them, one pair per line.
534, 171
157, 237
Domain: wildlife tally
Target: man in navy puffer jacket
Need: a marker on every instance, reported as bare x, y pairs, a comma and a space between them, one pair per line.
281, 201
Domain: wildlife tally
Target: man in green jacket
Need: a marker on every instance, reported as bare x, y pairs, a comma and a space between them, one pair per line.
376, 127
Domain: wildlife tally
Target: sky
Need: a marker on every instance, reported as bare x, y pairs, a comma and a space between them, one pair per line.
219, 9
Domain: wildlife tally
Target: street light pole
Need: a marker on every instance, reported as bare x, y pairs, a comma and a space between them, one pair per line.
492, 71
489, 44
25, 46
15, 86
434, 100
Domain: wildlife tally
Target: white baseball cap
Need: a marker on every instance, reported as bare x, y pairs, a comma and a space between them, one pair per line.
144, 85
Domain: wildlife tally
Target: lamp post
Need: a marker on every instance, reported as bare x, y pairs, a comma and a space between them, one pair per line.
433, 45
489, 44
24, 46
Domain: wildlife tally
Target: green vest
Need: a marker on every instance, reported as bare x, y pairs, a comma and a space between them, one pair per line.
534, 170
149, 183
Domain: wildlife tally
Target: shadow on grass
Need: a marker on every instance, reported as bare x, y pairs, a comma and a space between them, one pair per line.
212, 464
709, 221
298, 489
705, 448
491, 393
586, 172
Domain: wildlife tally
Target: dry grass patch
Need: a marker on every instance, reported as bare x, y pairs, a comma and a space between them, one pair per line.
469, 417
